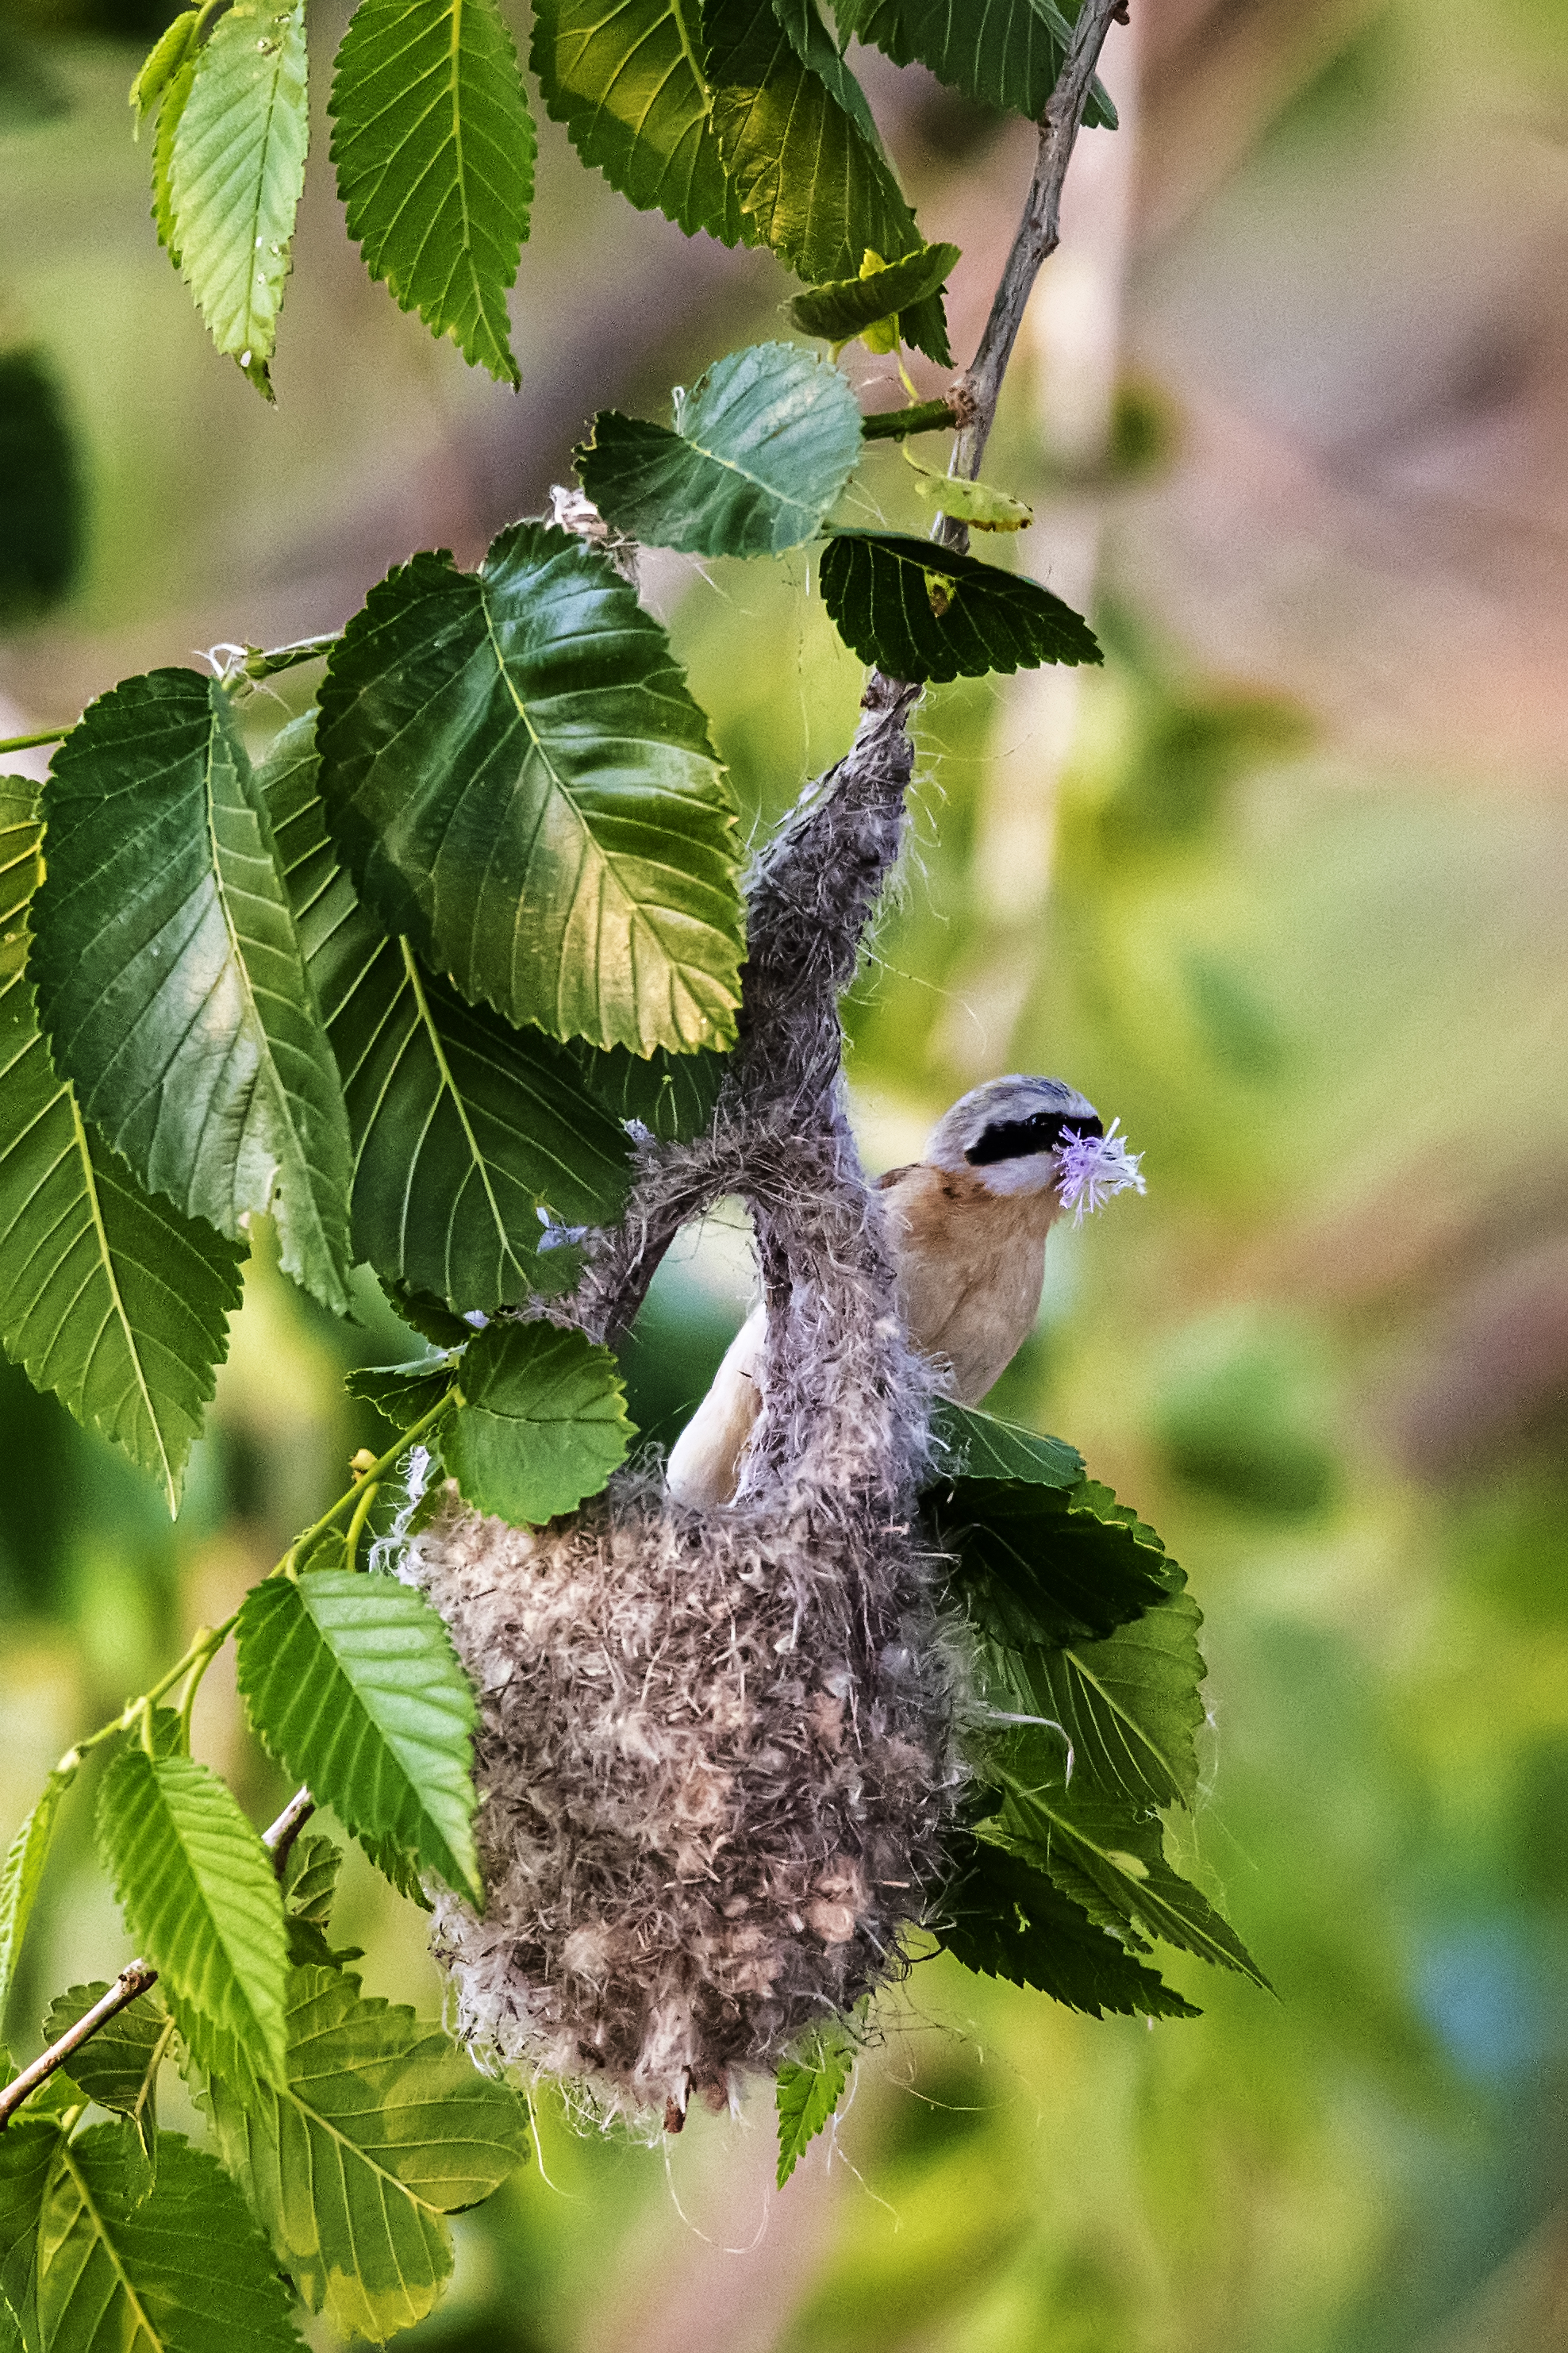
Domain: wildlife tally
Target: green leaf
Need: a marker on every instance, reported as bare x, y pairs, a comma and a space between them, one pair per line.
166, 131
1007, 53
310, 1879
117, 2066
988, 1448
182, 2272
30, 2147
403, 1394
808, 2091
431, 1316
1043, 1565
518, 777
542, 1422
434, 146
197, 1890
110, 1299
805, 165
848, 306
625, 78
163, 62
920, 612
22, 1871
171, 979
1129, 1705
462, 1127
1007, 1920
236, 175
672, 1095
760, 450
353, 1686
381, 2131
1107, 1856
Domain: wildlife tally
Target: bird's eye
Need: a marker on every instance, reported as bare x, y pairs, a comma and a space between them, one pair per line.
1020, 1139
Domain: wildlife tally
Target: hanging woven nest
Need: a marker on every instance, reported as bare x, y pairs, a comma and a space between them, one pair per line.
716, 1756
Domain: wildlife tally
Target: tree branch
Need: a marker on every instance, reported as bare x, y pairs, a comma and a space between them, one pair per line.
1038, 235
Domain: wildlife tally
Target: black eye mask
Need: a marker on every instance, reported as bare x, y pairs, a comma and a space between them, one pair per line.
1017, 1139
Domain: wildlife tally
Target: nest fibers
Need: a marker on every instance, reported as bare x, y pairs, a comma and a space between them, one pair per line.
716, 1758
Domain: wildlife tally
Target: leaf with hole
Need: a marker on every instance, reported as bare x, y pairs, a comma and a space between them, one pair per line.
849, 307
403, 1394
433, 147
1129, 1705
1007, 1920
23, 1869
1007, 53
461, 1126
542, 1422
807, 2090
1036, 1564
108, 1296
921, 612
761, 448
197, 1890
352, 1685
382, 2130
237, 171
171, 979
1106, 1855
798, 143
516, 776
183, 2271
625, 78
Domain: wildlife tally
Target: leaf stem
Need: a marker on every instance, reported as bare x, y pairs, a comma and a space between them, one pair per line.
362, 1513
922, 416
1038, 235
26, 743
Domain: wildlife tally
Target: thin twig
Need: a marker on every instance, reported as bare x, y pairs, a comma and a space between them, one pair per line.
26, 743
1039, 233
283, 1832
130, 1982
923, 416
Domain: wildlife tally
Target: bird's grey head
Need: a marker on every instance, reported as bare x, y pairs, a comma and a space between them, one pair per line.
1007, 1131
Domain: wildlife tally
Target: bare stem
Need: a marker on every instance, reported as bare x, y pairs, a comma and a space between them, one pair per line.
281, 1834
130, 1982
1038, 235
26, 743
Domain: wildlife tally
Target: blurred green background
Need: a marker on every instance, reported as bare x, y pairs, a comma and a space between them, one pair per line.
1284, 888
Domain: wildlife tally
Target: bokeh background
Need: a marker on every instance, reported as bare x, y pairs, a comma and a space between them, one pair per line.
1284, 888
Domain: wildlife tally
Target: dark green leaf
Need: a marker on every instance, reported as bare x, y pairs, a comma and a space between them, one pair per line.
352, 1683
430, 1316
433, 147
672, 1095
1007, 1920
310, 1879
760, 450
988, 1448
1041, 1565
462, 1127
236, 173
816, 185
182, 2272
171, 979
383, 2130
403, 1394
41, 504
518, 777
22, 1871
119, 2066
1107, 1856
109, 1297
919, 612
624, 77
1128, 1706
197, 1889
30, 2147
1006, 53
542, 1424
847, 306
808, 2091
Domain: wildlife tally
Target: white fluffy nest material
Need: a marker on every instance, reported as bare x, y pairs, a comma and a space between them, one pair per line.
716, 1758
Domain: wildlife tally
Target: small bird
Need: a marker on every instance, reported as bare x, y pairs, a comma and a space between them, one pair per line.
967, 1226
